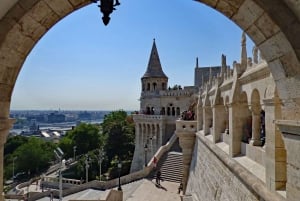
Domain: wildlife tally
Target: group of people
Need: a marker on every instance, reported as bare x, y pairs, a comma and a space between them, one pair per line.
188, 115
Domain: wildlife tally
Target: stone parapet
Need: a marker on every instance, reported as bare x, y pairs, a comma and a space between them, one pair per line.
186, 132
290, 130
245, 182
186, 126
144, 117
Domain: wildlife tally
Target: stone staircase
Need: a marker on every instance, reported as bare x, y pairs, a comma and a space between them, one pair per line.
171, 167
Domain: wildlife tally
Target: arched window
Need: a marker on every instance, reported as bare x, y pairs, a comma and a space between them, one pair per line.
148, 110
177, 111
168, 111
148, 86
163, 111
143, 87
154, 86
173, 111
163, 86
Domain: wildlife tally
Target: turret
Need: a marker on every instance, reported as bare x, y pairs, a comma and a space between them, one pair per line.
154, 78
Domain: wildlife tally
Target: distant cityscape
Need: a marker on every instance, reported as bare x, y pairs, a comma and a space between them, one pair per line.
51, 124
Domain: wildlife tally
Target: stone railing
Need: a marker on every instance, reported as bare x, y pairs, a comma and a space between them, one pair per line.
19, 188
163, 149
186, 131
176, 93
148, 117
150, 93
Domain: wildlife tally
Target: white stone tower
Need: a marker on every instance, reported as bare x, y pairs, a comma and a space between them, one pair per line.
159, 108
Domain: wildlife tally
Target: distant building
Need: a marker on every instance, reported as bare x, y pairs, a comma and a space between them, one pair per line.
56, 118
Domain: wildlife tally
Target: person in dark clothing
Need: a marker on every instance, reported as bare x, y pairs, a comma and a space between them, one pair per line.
158, 177
180, 188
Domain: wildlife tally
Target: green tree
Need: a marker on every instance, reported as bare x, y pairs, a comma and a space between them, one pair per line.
13, 143
119, 130
86, 137
34, 156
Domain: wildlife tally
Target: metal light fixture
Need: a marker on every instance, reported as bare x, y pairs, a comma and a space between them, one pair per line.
87, 168
74, 152
107, 7
59, 155
100, 157
119, 169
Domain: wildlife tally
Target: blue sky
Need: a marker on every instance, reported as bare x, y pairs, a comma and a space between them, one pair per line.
81, 64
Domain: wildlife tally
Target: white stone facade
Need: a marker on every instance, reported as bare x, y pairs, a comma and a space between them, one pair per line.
159, 108
274, 26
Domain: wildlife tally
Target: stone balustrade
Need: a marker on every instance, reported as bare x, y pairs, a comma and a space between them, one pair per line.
148, 117
186, 131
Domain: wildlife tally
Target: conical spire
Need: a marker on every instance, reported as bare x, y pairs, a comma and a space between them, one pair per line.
154, 68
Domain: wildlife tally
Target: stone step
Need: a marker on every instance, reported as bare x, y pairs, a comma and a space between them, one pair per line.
171, 167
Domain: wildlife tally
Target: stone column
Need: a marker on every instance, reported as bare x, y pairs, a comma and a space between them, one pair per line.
290, 130
5, 126
161, 133
226, 131
255, 140
236, 116
275, 159
156, 136
137, 135
199, 115
186, 132
218, 122
207, 119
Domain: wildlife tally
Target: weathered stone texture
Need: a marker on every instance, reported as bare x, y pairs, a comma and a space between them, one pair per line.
79, 3
211, 180
43, 14
61, 8
267, 26
248, 13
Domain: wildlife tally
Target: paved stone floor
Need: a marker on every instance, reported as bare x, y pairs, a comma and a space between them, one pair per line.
148, 191
141, 190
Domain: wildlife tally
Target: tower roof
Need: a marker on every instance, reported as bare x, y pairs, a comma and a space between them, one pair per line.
154, 68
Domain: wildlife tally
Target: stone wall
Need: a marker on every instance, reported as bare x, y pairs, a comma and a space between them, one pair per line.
210, 179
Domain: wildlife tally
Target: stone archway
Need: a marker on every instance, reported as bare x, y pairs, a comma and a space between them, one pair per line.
275, 35
274, 26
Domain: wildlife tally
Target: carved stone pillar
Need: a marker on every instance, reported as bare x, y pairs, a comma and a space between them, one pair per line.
290, 130
5, 126
186, 132
275, 151
219, 122
137, 135
255, 140
199, 115
207, 119
161, 133
237, 112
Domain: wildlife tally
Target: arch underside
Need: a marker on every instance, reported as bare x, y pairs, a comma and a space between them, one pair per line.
274, 34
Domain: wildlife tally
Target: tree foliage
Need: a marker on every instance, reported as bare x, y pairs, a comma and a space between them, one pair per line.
13, 143
31, 156
85, 137
119, 130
